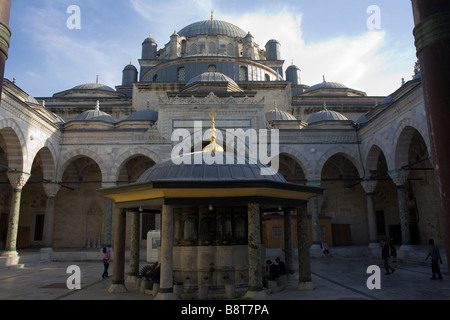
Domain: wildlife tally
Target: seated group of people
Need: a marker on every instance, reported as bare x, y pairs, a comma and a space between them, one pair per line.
273, 270
150, 272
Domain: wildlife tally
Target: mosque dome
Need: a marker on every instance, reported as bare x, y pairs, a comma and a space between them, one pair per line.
129, 67
93, 86
326, 85
188, 170
326, 115
212, 28
143, 115
279, 115
213, 78
95, 115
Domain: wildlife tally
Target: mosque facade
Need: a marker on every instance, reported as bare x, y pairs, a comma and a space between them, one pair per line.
369, 154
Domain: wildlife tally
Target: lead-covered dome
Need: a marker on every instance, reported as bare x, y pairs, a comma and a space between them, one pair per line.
212, 81
326, 115
95, 115
212, 28
279, 115
326, 85
93, 86
183, 168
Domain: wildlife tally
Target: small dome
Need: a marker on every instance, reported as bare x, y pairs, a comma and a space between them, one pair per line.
279, 115
130, 67
326, 85
95, 115
214, 78
93, 86
169, 171
211, 77
143, 115
212, 28
150, 40
326, 115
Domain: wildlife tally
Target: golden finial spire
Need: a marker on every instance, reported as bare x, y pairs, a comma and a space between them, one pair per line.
213, 146
212, 15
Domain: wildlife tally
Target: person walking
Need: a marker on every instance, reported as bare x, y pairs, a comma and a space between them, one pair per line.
435, 255
385, 256
393, 250
106, 259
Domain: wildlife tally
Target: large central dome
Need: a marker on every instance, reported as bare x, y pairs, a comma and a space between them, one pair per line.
212, 28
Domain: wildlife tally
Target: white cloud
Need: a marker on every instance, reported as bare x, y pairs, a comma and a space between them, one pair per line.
358, 62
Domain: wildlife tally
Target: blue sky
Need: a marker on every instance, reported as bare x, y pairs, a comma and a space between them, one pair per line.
322, 37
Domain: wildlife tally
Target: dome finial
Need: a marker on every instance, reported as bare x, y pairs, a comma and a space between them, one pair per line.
212, 15
213, 146
97, 107
323, 78
324, 106
97, 80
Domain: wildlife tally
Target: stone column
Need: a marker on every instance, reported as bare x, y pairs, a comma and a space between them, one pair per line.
5, 35
134, 248
288, 246
432, 35
118, 276
255, 278
304, 263
17, 181
314, 205
400, 176
107, 217
51, 190
166, 282
369, 187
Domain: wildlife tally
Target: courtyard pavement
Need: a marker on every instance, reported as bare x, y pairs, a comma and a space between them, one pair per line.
334, 278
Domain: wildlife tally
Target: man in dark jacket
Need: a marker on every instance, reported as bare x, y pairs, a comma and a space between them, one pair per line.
435, 258
385, 256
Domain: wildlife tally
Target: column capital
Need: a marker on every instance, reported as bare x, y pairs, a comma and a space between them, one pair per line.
314, 183
51, 189
369, 185
109, 184
18, 179
399, 176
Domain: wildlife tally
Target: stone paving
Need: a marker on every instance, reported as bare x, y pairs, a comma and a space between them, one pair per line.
334, 278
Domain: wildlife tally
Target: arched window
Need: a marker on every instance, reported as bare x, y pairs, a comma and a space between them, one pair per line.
181, 74
193, 49
267, 77
243, 74
212, 68
212, 48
